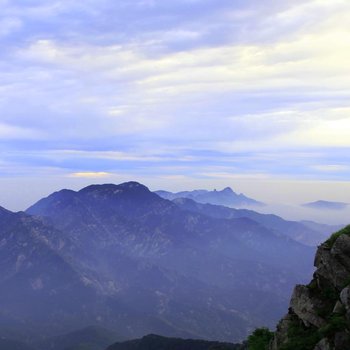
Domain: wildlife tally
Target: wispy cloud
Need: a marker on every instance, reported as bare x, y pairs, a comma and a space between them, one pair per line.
179, 88
90, 175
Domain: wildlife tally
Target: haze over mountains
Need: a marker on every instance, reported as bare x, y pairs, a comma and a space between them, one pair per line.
321, 204
123, 258
306, 232
295, 211
225, 197
154, 342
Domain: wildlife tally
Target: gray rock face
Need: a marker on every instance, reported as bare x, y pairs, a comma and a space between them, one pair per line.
305, 306
319, 313
341, 251
345, 298
323, 345
329, 265
281, 332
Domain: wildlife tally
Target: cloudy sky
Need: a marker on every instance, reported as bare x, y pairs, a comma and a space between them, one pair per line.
176, 94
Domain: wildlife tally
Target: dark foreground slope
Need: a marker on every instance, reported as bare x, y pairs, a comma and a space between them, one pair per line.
155, 342
319, 313
39, 289
89, 338
9, 344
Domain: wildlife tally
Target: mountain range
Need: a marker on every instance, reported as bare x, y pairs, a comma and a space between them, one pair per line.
155, 342
123, 258
306, 232
326, 205
226, 197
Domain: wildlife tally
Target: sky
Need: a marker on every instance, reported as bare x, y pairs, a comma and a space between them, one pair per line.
177, 95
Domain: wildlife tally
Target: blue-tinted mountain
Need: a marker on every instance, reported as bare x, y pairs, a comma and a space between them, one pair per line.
34, 273
11, 344
306, 232
326, 205
45, 289
121, 257
89, 338
226, 197
156, 342
189, 274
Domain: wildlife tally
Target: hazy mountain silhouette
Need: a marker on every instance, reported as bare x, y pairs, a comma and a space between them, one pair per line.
89, 338
226, 197
10, 344
156, 342
326, 205
306, 232
121, 257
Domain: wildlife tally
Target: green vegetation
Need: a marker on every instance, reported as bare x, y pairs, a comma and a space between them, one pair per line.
333, 238
156, 342
301, 337
260, 339
305, 338
335, 324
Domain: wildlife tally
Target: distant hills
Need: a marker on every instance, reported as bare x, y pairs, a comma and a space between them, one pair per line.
10, 344
321, 204
120, 257
226, 197
155, 342
306, 232
89, 338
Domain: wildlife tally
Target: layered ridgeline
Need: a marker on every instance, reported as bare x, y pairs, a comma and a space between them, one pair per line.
122, 258
326, 205
38, 285
226, 197
319, 313
155, 342
306, 232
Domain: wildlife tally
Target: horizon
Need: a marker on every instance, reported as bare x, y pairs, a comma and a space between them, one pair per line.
178, 96
272, 205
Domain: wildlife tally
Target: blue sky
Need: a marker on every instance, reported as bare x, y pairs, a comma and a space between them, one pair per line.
176, 94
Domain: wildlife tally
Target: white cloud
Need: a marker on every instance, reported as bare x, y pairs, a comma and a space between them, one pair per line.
90, 174
11, 132
9, 25
331, 167
277, 82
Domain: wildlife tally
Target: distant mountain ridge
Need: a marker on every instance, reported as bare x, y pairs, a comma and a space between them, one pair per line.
226, 197
10, 344
89, 338
156, 342
136, 263
321, 204
309, 233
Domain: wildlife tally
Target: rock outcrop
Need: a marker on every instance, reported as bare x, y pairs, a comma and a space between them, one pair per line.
319, 314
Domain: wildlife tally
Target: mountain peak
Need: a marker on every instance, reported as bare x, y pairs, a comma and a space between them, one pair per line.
322, 204
4, 211
227, 190
226, 197
131, 187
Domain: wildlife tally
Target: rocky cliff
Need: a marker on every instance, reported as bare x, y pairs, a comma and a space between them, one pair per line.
319, 314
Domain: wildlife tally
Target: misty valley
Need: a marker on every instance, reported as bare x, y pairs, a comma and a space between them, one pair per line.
121, 267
